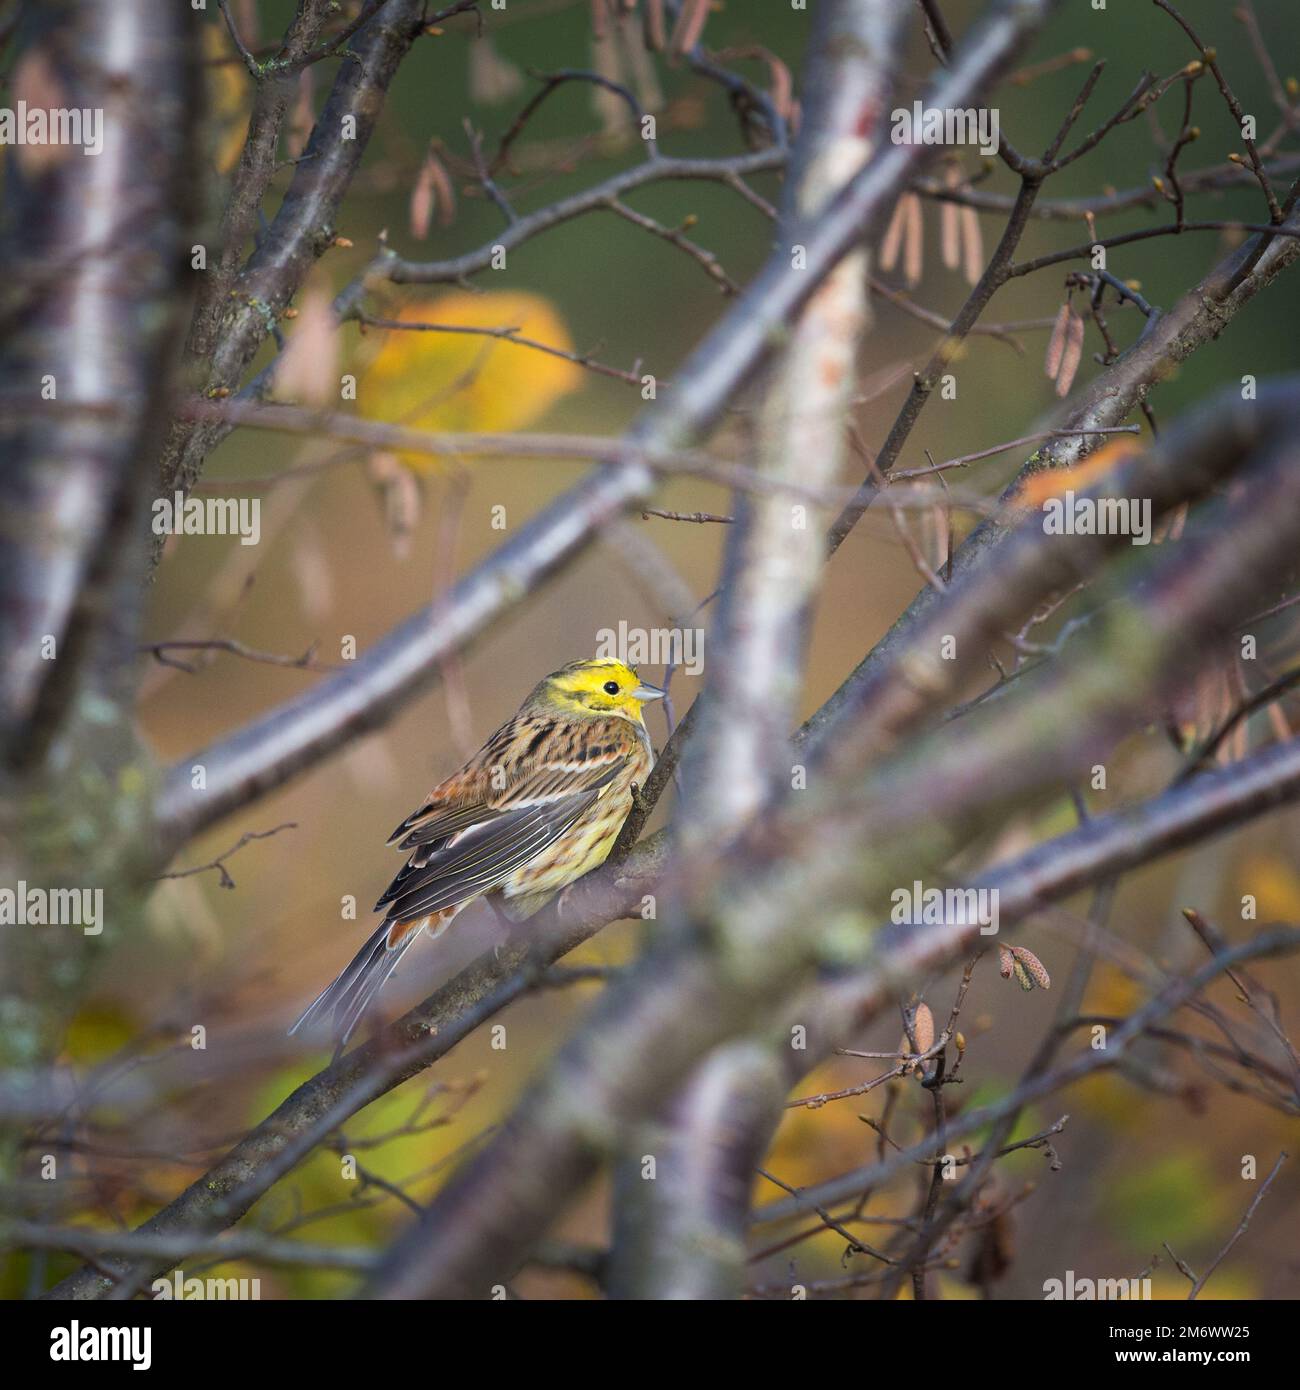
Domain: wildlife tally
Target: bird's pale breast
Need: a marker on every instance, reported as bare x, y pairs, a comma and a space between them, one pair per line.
589, 840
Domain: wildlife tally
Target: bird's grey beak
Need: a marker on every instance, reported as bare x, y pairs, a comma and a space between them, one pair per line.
648, 692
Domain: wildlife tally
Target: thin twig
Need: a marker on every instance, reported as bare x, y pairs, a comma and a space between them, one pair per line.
1199, 1284
219, 862
306, 662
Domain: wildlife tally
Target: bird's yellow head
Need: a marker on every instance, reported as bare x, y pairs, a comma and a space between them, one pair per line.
593, 688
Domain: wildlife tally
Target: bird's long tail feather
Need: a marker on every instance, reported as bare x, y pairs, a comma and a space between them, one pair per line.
349, 996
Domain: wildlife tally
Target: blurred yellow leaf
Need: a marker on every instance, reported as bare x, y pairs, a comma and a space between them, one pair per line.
949, 1287
1275, 885
1168, 1284
95, 1035
1055, 482
1111, 992
1179, 1197
814, 1142
395, 1140
469, 382
1109, 1098
230, 97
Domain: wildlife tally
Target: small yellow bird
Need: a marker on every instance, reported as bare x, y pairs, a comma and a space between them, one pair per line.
537, 806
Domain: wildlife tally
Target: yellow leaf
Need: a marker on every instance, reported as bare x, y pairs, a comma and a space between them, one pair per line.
469, 382
95, 1035
1112, 993
1054, 482
229, 98
1275, 886
1227, 1284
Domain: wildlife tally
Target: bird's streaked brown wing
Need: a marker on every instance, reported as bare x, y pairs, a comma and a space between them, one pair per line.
478, 859
471, 834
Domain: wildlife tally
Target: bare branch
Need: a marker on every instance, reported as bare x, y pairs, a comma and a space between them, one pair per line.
101, 330
219, 863
1199, 1284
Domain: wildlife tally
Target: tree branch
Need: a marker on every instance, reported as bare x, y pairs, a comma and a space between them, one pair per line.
303, 227
98, 332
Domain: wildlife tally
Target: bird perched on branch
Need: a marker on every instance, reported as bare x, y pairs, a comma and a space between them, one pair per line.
537, 806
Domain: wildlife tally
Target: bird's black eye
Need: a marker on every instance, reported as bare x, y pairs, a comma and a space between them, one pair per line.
611, 687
